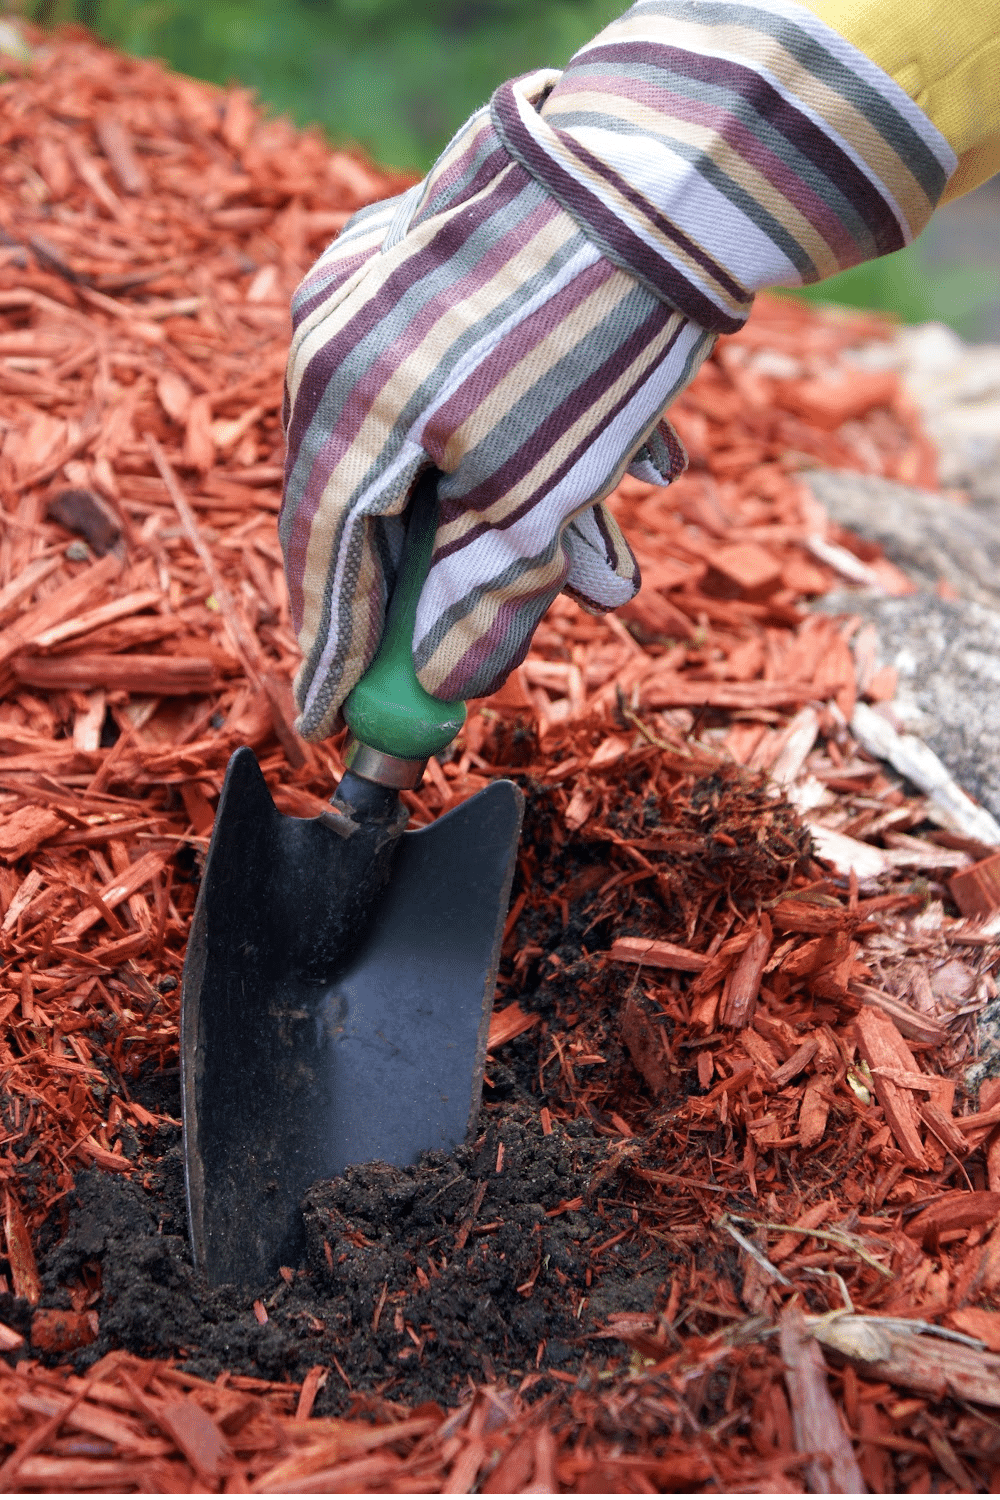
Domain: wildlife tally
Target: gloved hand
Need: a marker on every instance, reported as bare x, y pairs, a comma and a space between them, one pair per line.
523, 316
469, 323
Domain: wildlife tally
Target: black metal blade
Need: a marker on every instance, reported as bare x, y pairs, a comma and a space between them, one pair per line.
288, 1079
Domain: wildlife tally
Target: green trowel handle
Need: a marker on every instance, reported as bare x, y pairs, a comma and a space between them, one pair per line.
388, 710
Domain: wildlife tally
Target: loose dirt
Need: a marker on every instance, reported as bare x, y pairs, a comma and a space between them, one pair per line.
415, 1282
724, 1089
507, 1256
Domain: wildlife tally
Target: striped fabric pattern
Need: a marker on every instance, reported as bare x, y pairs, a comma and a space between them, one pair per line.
522, 318
714, 148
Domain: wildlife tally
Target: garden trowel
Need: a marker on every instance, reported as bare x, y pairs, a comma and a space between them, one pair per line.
340, 972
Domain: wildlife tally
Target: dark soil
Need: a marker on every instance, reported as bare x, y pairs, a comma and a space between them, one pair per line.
414, 1280
505, 1258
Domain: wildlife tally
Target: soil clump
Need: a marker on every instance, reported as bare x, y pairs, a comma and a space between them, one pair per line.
415, 1283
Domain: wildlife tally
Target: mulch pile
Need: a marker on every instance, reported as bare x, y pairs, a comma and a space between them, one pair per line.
733, 1206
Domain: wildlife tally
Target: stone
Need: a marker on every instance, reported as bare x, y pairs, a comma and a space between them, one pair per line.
947, 655
928, 535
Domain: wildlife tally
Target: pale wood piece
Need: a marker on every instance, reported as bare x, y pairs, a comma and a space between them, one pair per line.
89, 722
655, 954
891, 1349
815, 1420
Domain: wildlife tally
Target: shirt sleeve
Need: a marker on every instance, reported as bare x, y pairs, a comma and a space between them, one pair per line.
947, 58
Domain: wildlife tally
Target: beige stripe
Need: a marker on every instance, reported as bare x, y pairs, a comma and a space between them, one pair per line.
747, 45
532, 368
468, 630
376, 430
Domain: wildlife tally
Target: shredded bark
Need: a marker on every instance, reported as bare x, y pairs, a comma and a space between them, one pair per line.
731, 1205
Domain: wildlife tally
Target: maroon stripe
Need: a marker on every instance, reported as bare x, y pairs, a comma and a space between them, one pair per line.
767, 102
548, 434
602, 225
749, 147
517, 344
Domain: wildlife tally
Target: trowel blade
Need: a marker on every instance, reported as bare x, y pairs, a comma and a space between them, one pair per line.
287, 1081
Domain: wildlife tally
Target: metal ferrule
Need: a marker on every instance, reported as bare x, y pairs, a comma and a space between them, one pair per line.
386, 770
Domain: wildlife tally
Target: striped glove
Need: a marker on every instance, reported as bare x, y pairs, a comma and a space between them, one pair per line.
522, 318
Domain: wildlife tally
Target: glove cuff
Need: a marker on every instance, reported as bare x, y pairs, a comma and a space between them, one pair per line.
711, 148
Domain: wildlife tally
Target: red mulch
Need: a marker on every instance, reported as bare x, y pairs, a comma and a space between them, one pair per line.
774, 1050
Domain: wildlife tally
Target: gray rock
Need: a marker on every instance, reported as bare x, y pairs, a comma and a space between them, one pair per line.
927, 535
987, 1065
947, 654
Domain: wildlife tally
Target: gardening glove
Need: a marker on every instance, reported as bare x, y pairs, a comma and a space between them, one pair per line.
522, 317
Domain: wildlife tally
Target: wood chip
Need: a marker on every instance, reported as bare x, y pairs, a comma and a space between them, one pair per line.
667, 751
657, 954
882, 1047
832, 1468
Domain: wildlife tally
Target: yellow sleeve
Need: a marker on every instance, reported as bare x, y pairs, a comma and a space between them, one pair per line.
946, 55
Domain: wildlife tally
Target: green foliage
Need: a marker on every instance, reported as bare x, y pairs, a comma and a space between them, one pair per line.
908, 286
398, 77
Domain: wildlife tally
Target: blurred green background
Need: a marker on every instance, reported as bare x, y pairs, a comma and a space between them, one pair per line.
399, 76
